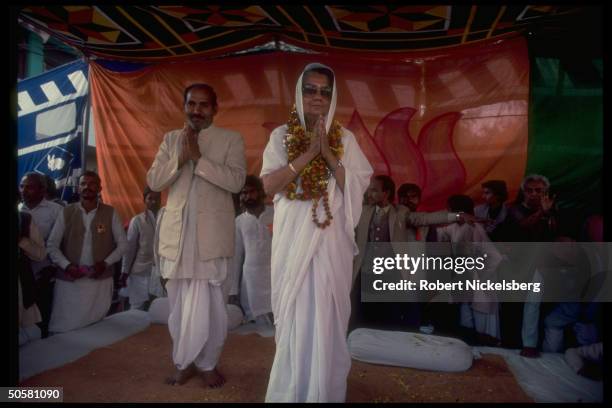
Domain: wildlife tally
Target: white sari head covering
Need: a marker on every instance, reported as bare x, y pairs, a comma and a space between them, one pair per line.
298, 96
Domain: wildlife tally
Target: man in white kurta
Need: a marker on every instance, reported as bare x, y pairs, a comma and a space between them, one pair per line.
137, 264
44, 213
202, 165
250, 281
311, 266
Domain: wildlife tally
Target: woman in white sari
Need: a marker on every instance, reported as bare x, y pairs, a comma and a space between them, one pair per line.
317, 173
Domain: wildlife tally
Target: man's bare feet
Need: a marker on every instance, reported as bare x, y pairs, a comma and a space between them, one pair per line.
212, 378
530, 352
182, 376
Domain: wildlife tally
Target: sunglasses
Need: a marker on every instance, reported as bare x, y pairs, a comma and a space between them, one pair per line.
311, 90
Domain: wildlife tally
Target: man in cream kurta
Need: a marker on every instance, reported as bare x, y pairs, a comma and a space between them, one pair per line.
201, 165
312, 267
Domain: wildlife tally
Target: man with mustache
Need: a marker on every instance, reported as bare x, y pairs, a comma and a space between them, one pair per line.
250, 283
86, 240
44, 213
201, 165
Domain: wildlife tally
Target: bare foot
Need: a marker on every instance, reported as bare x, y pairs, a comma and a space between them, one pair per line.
530, 352
212, 378
182, 376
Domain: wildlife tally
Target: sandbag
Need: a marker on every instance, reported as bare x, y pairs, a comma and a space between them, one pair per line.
159, 310
234, 316
414, 350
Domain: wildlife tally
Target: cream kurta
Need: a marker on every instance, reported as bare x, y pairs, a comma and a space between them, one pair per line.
195, 239
215, 176
311, 281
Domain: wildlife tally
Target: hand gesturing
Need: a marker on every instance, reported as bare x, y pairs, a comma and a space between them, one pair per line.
322, 134
190, 149
547, 202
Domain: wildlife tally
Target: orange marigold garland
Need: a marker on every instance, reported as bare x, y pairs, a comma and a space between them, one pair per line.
315, 176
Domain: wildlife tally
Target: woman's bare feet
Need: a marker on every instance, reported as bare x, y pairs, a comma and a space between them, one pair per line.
182, 376
212, 378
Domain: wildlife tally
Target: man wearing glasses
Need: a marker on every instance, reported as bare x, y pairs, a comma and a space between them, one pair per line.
317, 174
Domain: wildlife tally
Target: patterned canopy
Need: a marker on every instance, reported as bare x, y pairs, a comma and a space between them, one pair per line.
167, 32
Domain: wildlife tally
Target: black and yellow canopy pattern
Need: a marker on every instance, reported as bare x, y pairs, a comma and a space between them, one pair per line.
156, 33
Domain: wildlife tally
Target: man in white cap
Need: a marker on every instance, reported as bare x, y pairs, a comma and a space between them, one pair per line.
317, 174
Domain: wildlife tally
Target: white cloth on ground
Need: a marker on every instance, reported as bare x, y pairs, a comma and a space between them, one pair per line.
235, 317
548, 378
575, 356
414, 350
197, 322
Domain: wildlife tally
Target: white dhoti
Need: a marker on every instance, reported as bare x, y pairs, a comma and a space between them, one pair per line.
198, 317
80, 303
197, 322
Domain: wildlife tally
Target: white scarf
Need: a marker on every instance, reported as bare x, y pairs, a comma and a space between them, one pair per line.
298, 97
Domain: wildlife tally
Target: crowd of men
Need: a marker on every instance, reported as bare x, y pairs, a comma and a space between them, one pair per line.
296, 264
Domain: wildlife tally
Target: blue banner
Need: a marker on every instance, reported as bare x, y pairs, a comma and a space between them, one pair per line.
50, 125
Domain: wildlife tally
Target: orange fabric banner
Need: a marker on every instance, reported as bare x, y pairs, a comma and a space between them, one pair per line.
445, 121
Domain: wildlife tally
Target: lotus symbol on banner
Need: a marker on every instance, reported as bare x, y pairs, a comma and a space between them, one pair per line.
55, 163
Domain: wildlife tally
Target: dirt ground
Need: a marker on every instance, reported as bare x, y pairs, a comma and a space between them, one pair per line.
134, 369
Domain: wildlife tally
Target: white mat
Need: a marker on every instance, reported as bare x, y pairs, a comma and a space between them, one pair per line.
263, 329
55, 351
548, 378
